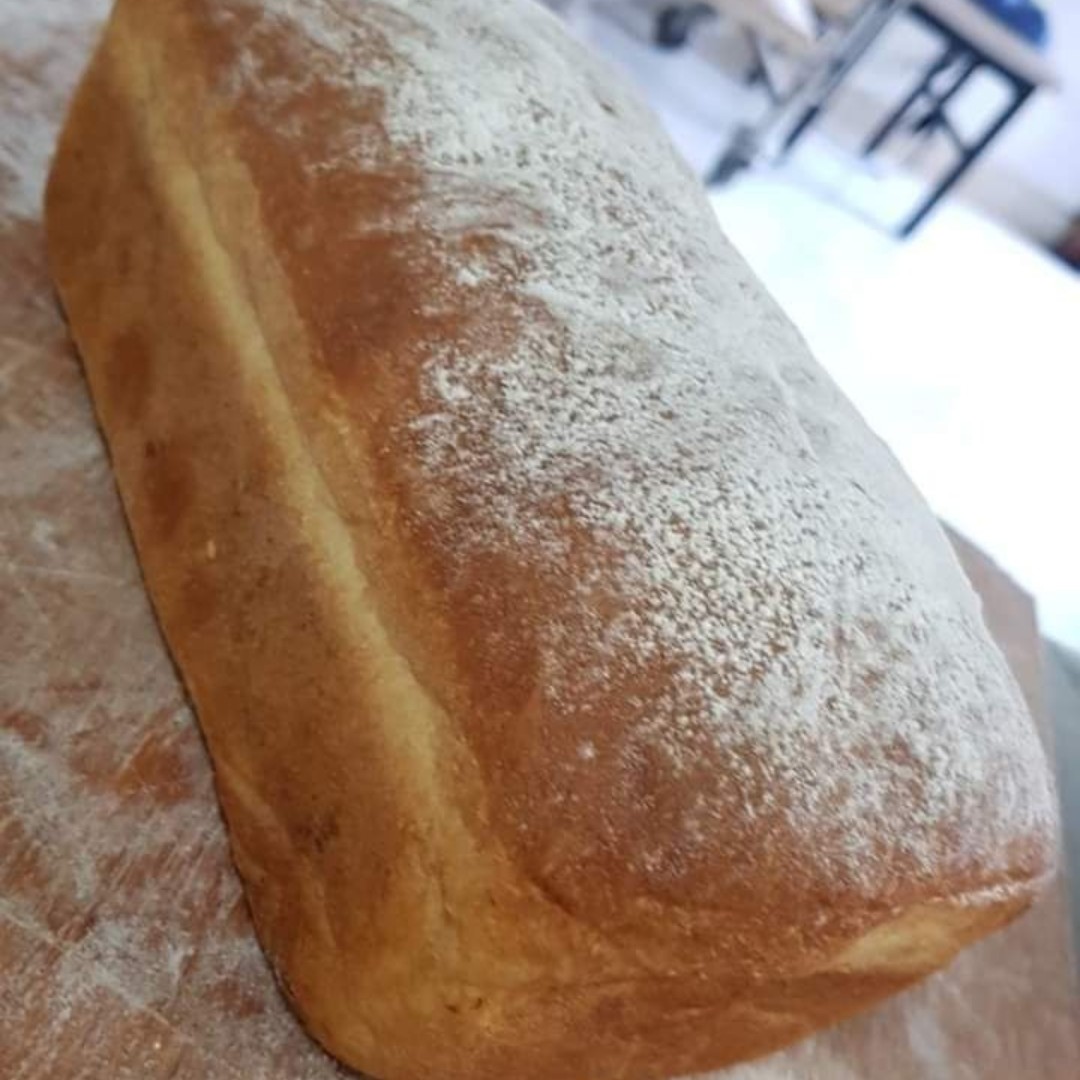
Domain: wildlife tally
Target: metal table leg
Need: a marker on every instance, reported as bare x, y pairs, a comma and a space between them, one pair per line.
866, 29
945, 60
936, 117
1022, 91
818, 86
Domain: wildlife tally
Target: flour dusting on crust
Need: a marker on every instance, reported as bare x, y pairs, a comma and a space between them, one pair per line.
750, 565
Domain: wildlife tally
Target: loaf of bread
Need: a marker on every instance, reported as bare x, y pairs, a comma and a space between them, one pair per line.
590, 695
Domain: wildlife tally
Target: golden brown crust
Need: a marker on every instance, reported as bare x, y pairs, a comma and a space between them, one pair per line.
256, 326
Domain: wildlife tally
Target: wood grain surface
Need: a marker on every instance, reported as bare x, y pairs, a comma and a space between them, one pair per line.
125, 945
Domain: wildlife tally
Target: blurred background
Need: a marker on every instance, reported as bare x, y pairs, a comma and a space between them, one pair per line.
905, 179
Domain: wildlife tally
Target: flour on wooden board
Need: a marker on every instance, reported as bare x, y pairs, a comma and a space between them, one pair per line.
118, 899
33, 66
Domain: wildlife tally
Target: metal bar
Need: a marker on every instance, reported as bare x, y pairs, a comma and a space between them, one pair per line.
943, 123
936, 117
1022, 91
861, 35
895, 118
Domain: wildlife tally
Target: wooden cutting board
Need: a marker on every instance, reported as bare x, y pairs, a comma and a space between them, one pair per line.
125, 946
